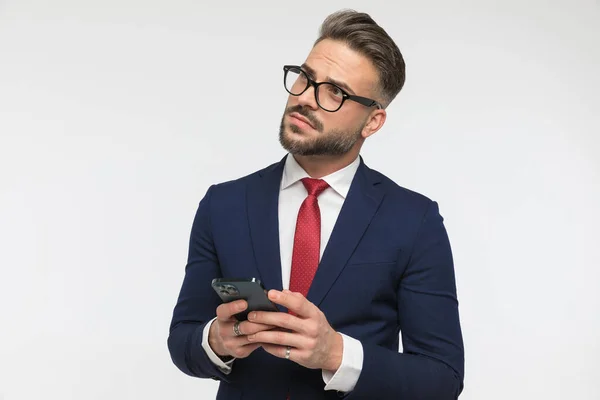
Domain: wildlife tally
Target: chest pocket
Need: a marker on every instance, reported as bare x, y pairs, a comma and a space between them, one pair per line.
374, 254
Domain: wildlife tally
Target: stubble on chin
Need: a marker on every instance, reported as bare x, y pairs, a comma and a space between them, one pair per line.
288, 143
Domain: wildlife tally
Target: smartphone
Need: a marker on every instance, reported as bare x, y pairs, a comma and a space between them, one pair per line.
249, 289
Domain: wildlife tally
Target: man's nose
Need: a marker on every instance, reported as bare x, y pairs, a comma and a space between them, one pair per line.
307, 98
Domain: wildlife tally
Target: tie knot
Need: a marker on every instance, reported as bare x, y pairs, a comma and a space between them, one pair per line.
314, 186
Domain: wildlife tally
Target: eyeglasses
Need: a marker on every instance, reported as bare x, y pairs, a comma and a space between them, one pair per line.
329, 96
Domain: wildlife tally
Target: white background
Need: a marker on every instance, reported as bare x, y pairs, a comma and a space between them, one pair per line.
116, 116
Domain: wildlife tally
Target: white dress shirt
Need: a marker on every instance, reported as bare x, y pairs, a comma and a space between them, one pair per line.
292, 194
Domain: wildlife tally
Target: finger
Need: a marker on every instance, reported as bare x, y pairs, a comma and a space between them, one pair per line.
226, 311
278, 319
296, 355
232, 342
281, 338
294, 302
249, 328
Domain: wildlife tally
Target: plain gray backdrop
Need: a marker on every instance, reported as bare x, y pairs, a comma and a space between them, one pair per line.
116, 116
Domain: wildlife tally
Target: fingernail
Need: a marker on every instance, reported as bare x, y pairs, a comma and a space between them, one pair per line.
274, 295
241, 306
250, 337
252, 315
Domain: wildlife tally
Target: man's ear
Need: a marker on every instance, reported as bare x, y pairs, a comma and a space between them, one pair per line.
375, 121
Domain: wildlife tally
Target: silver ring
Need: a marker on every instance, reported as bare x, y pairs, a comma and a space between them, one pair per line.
236, 328
288, 350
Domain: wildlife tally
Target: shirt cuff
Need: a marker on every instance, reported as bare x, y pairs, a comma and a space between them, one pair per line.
225, 367
345, 378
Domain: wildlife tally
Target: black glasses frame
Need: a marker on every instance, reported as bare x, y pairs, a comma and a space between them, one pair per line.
365, 101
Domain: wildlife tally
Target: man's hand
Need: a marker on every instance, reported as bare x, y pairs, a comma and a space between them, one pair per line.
222, 338
314, 343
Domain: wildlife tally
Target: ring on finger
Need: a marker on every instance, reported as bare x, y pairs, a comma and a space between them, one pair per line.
236, 329
288, 350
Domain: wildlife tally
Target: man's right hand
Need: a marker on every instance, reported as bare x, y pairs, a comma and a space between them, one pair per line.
221, 337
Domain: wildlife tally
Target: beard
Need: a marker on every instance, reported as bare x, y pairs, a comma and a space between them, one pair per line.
329, 143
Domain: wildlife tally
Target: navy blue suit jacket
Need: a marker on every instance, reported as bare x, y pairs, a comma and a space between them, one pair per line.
387, 269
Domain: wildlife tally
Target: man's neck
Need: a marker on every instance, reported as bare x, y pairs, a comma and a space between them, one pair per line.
320, 166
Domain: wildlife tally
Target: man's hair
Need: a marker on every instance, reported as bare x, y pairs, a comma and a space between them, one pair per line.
362, 34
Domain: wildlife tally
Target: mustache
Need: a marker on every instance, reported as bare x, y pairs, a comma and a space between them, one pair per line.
305, 113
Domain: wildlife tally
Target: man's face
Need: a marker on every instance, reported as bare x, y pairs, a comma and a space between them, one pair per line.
329, 133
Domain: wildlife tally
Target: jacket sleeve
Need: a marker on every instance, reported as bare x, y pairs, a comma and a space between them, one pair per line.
197, 301
431, 365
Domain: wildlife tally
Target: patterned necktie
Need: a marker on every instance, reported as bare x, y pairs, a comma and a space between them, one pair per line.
307, 239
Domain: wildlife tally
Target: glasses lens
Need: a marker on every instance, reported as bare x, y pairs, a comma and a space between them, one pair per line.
295, 81
330, 97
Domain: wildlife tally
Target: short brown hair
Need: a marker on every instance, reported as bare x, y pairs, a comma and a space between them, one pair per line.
362, 34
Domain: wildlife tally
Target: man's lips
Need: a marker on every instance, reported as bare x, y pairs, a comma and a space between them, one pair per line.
301, 119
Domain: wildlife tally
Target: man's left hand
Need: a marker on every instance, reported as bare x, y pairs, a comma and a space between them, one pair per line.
314, 343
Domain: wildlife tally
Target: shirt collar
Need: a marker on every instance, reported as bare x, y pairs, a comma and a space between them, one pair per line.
339, 181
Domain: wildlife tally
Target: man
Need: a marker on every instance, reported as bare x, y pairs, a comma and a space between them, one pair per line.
351, 258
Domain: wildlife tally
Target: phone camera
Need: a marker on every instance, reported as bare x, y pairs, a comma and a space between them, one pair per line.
228, 290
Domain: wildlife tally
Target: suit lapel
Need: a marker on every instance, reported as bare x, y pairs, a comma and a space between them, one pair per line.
263, 197
361, 204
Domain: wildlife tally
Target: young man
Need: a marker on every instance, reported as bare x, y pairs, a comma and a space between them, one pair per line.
352, 258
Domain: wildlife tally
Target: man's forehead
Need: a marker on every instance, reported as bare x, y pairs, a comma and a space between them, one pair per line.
339, 62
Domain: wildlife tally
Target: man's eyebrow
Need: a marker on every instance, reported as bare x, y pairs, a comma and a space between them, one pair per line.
311, 73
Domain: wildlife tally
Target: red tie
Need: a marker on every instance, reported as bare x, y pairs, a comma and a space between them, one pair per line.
307, 239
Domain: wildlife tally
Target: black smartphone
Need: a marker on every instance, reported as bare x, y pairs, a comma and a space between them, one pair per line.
249, 289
